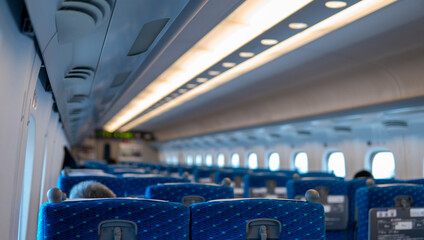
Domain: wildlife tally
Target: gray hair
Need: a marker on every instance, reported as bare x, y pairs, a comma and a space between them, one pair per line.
91, 189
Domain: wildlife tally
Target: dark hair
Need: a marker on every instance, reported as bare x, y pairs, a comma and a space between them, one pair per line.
90, 189
363, 174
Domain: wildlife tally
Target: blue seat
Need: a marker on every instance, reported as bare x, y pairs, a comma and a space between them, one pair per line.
204, 175
317, 174
229, 219
383, 196
297, 188
65, 183
177, 192
81, 219
136, 186
269, 185
352, 187
236, 177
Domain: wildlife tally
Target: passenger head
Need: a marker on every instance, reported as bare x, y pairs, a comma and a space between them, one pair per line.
91, 189
363, 174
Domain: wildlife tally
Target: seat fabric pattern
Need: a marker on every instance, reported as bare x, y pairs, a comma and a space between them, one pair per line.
176, 192
337, 187
80, 219
260, 180
136, 186
65, 183
382, 197
227, 219
299, 187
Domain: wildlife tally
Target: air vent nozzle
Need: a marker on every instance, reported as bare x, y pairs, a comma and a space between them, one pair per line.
304, 132
342, 129
77, 18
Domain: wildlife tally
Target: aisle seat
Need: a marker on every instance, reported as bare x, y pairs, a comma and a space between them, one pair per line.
128, 218
251, 218
334, 197
268, 185
383, 199
188, 193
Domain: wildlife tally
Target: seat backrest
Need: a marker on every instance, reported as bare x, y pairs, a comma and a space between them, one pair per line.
65, 183
204, 175
229, 219
178, 192
335, 203
317, 174
268, 185
136, 186
81, 219
383, 197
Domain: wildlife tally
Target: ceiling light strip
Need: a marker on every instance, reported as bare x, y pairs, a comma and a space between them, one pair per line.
245, 23
349, 15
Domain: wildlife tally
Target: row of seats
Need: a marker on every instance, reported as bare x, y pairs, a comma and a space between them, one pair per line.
335, 194
155, 219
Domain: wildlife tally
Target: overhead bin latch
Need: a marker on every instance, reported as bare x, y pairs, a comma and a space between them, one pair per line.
263, 229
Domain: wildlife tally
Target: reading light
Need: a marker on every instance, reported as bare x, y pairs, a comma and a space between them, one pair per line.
335, 4
298, 25
228, 64
269, 42
246, 54
201, 80
191, 85
182, 90
214, 73
246, 22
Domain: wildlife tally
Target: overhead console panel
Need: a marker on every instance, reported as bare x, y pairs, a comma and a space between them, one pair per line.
91, 49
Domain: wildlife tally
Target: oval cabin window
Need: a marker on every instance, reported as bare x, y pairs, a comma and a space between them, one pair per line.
274, 161
383, 165
221, 160
336, 164
198, 160
301, 162
208, 160
235, 160
252, 161
189, 160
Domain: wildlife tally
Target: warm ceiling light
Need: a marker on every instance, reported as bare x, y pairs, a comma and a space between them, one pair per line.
228, 64
201, 80
245, 23
168, 98
269, 42
191, 85
298, 25
182, 90
335, 4
214, 73
246, 54
337, 21
174, 95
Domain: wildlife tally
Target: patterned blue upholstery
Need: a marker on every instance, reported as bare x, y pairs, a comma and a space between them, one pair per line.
65, 183
336, 187
136, 186
80, 219
416, 181
352, 187
202, 174
227, 219
381, 197
259, 180
317, 174
176, 192
228, 173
